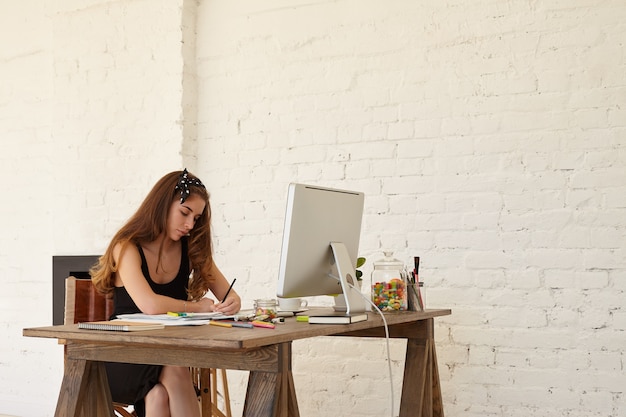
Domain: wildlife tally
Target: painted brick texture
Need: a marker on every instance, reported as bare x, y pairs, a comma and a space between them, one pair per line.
488, 137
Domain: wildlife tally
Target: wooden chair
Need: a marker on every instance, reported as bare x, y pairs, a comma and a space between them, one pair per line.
207, 382
84, 303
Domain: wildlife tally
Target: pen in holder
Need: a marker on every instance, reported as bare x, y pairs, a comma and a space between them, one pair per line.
416, 302
415, 297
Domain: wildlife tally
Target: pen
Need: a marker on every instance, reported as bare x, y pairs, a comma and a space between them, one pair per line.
229, 288
416, 261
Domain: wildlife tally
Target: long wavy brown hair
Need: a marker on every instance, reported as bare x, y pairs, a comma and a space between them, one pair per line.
148, 223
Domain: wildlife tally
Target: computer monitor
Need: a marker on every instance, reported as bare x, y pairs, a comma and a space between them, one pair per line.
320, 245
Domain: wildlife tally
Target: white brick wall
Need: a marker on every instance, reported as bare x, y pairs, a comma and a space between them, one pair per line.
81, 109
487, 140
487, 136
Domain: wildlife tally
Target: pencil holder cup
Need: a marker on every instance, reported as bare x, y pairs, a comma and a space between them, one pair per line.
416, 303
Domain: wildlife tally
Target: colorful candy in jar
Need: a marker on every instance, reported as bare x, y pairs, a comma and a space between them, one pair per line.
265, 309
390, 296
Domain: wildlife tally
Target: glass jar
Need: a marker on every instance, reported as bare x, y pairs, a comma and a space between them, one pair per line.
265, 309
389, 284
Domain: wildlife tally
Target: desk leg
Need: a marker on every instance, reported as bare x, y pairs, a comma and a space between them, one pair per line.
84, 390
273, 393
421, 391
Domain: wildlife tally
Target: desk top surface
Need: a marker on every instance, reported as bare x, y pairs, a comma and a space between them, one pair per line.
215, 337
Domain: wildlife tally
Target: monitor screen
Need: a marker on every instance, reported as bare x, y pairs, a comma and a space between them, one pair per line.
320, 244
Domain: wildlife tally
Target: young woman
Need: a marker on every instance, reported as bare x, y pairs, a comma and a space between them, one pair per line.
160, 261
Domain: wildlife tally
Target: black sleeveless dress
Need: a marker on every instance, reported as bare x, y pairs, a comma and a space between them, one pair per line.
129, 383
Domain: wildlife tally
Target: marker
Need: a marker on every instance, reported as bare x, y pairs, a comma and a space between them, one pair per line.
174, 314
240, 324
220, 323
303, 319
264, 324
232, 323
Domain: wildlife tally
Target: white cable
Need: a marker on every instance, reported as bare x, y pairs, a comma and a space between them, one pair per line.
358, 290
387, 342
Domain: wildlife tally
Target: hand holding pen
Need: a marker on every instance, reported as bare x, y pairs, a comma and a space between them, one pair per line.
228, 306
229, 288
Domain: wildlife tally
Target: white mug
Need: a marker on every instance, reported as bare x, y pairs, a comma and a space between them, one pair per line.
292, 304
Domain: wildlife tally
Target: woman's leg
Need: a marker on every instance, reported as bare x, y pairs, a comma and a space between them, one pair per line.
157, 402
183, 401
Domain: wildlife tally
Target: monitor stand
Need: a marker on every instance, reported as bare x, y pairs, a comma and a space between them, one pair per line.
351, 301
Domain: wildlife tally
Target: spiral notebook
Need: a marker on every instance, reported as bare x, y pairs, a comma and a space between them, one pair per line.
120, 326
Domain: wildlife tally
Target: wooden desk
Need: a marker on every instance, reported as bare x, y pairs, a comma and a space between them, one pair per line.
266, 353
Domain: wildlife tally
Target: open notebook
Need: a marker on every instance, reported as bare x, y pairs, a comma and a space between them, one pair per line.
189, 319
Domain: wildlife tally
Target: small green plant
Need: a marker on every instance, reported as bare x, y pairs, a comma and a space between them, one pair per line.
359, 263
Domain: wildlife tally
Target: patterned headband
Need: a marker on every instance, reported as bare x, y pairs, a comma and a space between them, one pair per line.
183, 185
